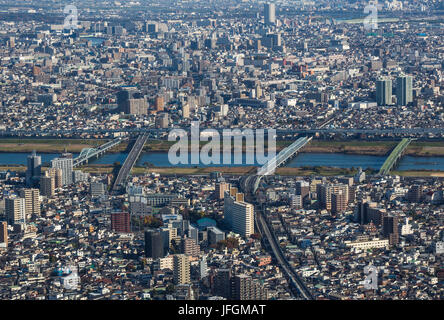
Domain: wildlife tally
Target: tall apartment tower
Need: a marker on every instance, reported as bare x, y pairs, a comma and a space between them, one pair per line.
47, 185
390, 228
120, 222
404, 90
4, 233
302, 189
32, 201
325, 192
65, 164
15, 210
57, 174
239, 215
154, 247
269, 13
245, 288
33, 170
220, 189
384, 92
181, 271
222, 283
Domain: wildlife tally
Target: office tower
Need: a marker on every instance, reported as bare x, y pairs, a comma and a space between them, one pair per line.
47, 186
33, 170
154, 246
4, 233
220, 189
189, 247
390, 229
222, 283
415, 193
302, 189
15, 210
239, 215
245, 288
65, 164
120, 222
404, 90
32, 201
269, 13
384, 92
181, 271
97, 189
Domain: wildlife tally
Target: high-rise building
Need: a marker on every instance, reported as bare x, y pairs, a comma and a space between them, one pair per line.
47, 186
384, 92
57, 174
154, 246
415, 193
120, 222
33, 170
97, 189
220, 189
222, 283
65, 164
324, 192
404, 90
243, 287
203, 267
302, 189
15, 210
4, 233
390, 228
338, 203
189, 247
130, 101
239, 215
181, 271
269, 13
32, 201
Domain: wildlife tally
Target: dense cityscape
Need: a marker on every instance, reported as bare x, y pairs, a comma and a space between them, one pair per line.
93, 208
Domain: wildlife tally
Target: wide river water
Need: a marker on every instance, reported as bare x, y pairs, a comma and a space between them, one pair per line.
160, 159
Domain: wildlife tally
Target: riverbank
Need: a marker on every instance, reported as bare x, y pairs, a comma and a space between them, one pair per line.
376, 148
284, 171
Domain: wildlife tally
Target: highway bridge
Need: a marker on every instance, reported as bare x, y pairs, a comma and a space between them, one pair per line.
89, 153
283, 156
251, 183
129, 162
394, 156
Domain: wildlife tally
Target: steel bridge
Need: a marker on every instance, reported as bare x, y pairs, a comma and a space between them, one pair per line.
394, 156
89, 153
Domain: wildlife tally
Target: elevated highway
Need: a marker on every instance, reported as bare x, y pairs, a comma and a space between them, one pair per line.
129, 162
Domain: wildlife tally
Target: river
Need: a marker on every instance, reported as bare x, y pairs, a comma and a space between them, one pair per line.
160, 159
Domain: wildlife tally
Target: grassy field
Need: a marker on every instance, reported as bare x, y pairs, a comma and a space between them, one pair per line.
381, 148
